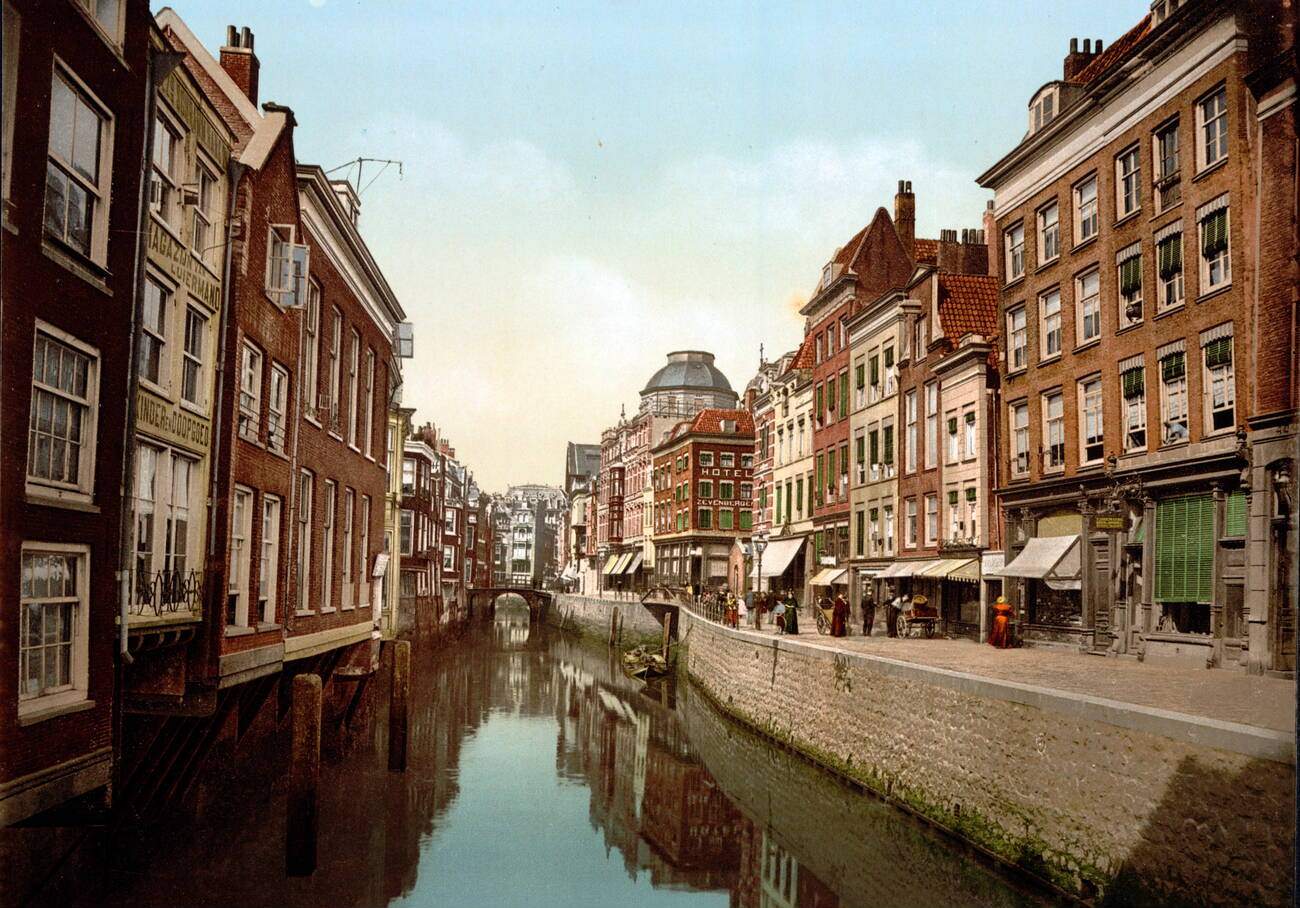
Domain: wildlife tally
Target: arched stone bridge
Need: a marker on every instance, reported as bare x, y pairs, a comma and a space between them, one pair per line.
483, 602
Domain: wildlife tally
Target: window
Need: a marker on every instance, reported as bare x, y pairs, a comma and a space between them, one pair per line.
1014, 241
727, 459
287, 265
1087, 295
889, 529
1184, 562
1132, 380
844, 394
1020, 439
153, 332
449, 520
201, 234
859, 385
909, 410
277, 405
931, 425
106, 14
1220, 388
704, 518
1016, 338
746, 491
408, 476
931, 519
52, 625
1169, 266
1128, 196
241, 533
725, 518
922, 337
969, 444
330, 399
887, 445
1049, 307
860, 525
1053, 406
1212, 128
1085, 210
192, 384
448, 559
61, 434
1165, 148
406, 532
1042, 110
250, 391
956, 526
875, 379
909, 523
76, 175
747, 461
354, 364
166, 157
706, 488
269, 569
972, 512
1173, 395
349, 507
327, 547
830, 400
1090, 421
1049, 232
891, 374
1216, 265
161, 527
311, 347
1130, 286
305, 482
746, 520
706, 460
954, 442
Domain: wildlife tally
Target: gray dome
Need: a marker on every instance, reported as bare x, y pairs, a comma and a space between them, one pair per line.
690, 370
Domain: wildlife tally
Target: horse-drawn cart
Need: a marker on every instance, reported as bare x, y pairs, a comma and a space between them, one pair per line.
916, 615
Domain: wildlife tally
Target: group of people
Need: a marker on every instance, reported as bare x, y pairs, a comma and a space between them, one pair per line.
784, 609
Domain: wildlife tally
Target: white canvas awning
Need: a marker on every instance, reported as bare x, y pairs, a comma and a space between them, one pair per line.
1054, 559
635, 564
914, 568
829, 577
946, 567
779, 554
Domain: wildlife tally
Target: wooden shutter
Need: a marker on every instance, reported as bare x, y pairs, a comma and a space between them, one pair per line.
952, 497
1170, 256
1173, 366
1133, 382
1234, 515
889, 444
1215, 236
1218, 353
1185, 549
875, 448
1130, 275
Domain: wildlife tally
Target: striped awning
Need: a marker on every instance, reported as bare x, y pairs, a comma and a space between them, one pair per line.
609, 564
829, 576
913, 568
945, 566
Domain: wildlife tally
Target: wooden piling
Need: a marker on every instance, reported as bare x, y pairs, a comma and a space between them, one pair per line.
613, 626
668, 625
304, 777
399, 701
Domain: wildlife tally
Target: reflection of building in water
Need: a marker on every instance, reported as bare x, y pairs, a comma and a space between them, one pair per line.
511, 626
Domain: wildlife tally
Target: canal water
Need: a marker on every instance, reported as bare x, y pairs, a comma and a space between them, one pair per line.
540, 775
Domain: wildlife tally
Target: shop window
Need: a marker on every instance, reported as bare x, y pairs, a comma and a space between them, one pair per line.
1184, 582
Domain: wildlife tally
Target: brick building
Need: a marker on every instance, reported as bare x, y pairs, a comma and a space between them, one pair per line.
72, 213
399, 430
1146, 286
788, 561
419, 534
703, 484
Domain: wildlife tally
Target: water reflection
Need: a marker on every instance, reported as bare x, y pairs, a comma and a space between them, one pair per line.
540, 775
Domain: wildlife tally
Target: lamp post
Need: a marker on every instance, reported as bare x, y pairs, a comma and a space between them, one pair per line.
760, 543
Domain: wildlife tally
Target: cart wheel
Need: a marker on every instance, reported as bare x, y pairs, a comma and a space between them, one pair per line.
823, 626
900, 627
929, 629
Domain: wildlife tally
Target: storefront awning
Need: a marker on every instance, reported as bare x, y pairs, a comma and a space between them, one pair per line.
1054, 559
969, 572
913, 568
635, 564
609, 564
944, 567
569, 573
623, 561
829, 577
779, 554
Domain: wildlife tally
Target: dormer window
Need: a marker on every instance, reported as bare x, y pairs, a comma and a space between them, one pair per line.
1042, 110
1163, 9
827, 272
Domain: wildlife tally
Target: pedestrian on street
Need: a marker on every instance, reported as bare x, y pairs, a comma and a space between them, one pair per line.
839, 616
891, 615
1000, 636
868, 614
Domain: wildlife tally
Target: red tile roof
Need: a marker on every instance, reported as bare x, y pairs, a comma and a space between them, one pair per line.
710, 421
968, 304
1117, 52
803, 357
927, 251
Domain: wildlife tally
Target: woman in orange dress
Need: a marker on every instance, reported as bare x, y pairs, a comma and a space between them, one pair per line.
1000, 636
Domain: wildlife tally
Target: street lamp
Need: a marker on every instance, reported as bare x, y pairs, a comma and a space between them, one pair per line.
760, 543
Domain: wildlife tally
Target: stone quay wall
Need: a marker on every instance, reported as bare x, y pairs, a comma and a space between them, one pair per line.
1102, 800
591, 617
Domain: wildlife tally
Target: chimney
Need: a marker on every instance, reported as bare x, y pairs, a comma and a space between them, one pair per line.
239, 61
949, 258
974, 254
349, 198
1077, 59
991, 237
905, 217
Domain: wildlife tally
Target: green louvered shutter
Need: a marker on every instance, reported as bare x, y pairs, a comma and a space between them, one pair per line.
970, 494
1130, 275
821, 476
1133, 382
875, 448
875, 371
1185, 549
844, 395
861, 445
1215, 232
1170, 256
952, 497
860, 377
1234, 515
1173, 366
889, 444
1218, 353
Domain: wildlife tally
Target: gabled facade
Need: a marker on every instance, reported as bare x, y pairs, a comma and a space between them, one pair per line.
789, 562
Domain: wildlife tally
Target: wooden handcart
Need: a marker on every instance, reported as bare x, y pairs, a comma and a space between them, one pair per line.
918, 616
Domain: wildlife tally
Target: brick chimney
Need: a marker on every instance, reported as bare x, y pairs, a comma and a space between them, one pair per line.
949, 251
239, 61
905, 217
1077, 59
992, 239
974, 252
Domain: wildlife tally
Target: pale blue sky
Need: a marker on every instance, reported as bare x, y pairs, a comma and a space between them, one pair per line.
589, 185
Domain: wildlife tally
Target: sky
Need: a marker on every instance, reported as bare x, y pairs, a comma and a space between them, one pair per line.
588, 186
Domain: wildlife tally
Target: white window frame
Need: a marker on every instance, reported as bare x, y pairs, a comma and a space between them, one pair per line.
363, 555
952, 422
241, 541
1172, 291
1135, 418
277, 409
1048, 218
311, 351
1221, 259
931, 519
194, 342
931, 425
368, 443
206, 187
909, 523
727, 460
1087, 214
1166, 181
155, 335
349, 513
327, 545
82, 489
1173, 401
1205, 157
1049, 325
1211, 379
330, 404
32, 704
1018, 420
306, 489
268, 569
287, 265
1128, 182
112, 31
1091, 403
970, 435
1013, 241
1124, 320
1053, 431
1017, 339
97, 187
909, 411
250, 391
1087, 309
164, 179
354, 368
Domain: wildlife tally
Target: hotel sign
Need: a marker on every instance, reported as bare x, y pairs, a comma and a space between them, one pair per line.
169, 422
181, 264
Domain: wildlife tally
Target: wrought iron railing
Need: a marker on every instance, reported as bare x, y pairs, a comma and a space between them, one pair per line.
167, 592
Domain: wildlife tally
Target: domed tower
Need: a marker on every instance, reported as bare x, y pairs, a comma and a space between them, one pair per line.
687, 383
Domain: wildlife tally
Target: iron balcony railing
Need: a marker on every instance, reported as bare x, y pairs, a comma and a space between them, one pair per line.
167, 592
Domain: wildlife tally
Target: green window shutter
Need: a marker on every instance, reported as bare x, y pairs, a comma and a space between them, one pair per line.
1234, 515
830, 466
1218, 353
860, 377
746, 520
1130, 275
1134, 383
844, 458
861, 444
889, 444
1185, 549
952, 426
819, 542
819, 401
952, 497
875, 447
844, 394
778, 504
970, 494
875, 371
821, 476
889, 357
1214, 237
1173, 366
1169, 256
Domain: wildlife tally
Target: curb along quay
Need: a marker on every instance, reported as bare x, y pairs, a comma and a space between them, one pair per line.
960, 567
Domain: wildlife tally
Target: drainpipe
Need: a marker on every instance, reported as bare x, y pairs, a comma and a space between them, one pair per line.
234, 173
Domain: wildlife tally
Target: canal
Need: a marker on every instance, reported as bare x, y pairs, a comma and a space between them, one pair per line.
540, 775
